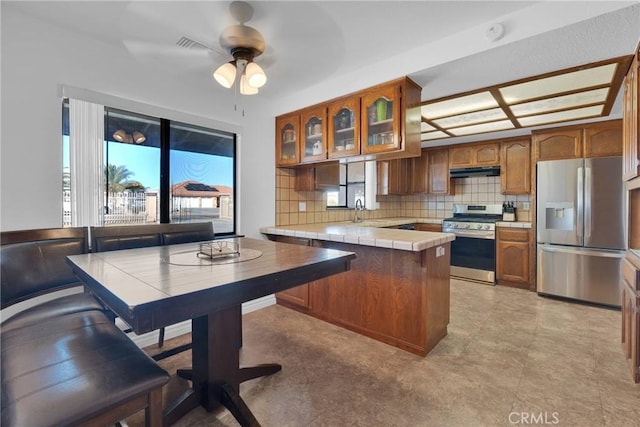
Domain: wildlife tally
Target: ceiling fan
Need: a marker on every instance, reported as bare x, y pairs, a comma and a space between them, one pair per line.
154, 36
244, 43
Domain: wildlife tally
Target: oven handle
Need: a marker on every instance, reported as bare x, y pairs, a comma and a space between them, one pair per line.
474, 234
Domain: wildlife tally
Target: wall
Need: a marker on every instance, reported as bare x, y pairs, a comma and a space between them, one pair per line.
476, 190
37, 57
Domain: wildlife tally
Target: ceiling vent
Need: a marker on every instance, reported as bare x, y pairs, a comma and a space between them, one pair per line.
188, 43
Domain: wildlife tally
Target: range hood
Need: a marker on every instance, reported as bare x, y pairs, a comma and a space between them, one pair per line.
477, 171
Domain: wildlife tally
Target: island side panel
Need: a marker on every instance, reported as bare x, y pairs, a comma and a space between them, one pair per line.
438, 293
397, 297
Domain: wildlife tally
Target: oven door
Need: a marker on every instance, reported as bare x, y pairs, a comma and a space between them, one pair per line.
474, 258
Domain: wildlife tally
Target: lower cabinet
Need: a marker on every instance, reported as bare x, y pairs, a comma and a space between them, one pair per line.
514, 251
297, 297
631, 317
422, 226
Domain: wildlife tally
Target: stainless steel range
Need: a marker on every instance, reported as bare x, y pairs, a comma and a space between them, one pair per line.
473, 253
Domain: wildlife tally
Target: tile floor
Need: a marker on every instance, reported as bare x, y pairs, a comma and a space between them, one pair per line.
510, 358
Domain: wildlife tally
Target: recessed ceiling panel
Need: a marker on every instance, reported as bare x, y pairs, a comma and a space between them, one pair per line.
426, 127
597, 96
562, 116
433, 135
485, 127
602, 75
463, 104
471, 118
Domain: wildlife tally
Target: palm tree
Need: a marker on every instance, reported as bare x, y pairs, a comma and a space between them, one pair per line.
117, 179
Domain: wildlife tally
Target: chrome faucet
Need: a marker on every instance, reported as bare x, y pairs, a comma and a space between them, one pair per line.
359, 208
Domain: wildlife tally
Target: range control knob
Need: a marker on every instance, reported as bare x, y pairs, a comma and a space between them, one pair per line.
479, 226
487, 227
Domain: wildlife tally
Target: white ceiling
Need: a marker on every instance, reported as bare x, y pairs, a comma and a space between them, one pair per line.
315, 41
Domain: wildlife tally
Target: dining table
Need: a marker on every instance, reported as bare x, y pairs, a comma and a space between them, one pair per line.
207, 282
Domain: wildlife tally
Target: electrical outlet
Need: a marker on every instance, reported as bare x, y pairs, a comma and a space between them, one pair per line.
302, 206
525, 206
440, 251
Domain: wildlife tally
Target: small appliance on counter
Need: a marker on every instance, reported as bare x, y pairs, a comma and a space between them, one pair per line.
509, 212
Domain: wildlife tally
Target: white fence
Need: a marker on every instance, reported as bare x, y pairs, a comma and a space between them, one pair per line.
121, 208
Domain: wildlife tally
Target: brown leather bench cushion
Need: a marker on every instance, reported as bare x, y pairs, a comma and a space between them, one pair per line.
69, 369
58, 307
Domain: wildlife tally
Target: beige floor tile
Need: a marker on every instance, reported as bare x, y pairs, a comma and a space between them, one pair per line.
508, 353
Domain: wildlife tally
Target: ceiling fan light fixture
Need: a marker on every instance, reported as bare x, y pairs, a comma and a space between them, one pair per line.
245, 88
255, 75
138, 137
120, 135
226, 74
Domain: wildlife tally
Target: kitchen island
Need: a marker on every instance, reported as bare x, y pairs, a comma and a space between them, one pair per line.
397, 290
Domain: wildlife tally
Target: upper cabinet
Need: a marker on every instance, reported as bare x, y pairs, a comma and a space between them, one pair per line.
631, 119
383, 121
603, 139
474, 155
287, 140
439, 181
344, 127
515, 166
598, 139
555, 144
313, 146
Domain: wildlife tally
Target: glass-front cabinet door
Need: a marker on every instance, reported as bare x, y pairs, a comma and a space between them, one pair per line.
381, 120
314, 139
344, 127
287, 138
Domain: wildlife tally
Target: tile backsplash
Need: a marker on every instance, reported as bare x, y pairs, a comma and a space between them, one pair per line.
480, 190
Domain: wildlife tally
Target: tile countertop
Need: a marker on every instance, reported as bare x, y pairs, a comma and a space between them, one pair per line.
367, 233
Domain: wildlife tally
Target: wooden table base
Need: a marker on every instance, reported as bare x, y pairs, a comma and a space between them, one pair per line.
216, 374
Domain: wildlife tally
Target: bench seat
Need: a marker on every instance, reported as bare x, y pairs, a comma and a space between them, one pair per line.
76, 369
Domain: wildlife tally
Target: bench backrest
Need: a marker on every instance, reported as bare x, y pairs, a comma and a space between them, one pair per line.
33, 262
105, 239
187, 233
140, 236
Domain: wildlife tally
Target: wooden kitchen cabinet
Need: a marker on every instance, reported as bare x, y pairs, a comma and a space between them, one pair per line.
439, 180
515, 166
423, 226
297, 297
631, 121
322, 176
382, 122
555, 144
514, 249
474, 155
630, 307
287, 140
393, 176
390, 118
313, 141
598, 139
344, 127
603, 139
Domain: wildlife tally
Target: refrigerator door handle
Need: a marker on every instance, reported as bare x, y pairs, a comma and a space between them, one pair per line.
588, 252
587, 202
579, 203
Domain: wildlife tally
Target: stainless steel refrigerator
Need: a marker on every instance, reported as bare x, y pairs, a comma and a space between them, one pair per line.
581, 229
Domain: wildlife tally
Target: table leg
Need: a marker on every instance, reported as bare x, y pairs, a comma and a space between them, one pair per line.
216, 373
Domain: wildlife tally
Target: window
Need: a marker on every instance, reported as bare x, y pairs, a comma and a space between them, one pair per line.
157, 170
351, 187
